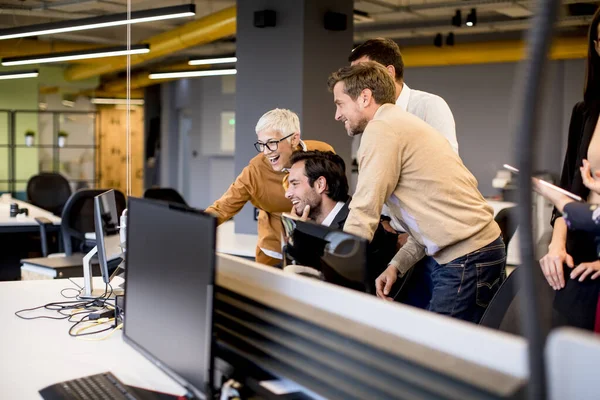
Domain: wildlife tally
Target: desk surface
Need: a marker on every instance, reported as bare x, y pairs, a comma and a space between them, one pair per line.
237, 244
39, 353
22, 220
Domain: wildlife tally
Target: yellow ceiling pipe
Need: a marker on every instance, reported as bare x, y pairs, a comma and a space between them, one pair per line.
27, 47
204, 30
488, 52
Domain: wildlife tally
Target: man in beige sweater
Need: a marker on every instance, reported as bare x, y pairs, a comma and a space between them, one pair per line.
406, 164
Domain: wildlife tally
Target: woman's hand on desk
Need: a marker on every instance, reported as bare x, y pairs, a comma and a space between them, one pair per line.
584, 270
591, 181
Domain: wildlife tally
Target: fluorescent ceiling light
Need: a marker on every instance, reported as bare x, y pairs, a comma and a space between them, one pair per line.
186, 10
192, 74
208, 61
19, 74
136, 102
76, 55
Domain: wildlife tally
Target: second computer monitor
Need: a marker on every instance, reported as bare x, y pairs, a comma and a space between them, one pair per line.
108, 242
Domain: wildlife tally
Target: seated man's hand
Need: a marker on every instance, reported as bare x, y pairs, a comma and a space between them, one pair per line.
383, 284
402, 238
386, 225
304, 216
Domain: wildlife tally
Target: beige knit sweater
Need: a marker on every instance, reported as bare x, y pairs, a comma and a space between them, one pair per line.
408, 165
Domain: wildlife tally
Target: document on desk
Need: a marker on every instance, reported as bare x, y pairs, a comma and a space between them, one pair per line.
281, 386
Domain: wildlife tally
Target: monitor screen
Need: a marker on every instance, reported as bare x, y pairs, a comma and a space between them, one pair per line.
339, 256
106, 221
169, 284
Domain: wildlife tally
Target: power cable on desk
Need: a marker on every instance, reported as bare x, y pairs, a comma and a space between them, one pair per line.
95, 311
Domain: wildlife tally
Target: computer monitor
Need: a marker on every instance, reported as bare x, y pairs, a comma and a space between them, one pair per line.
169, 286
108, 241
341, 257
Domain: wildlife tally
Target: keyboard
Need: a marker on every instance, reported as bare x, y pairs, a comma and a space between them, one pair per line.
93, 387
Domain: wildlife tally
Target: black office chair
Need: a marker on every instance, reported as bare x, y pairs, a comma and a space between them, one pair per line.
49, 191
504, 311
165, 194
507, 221
78, 218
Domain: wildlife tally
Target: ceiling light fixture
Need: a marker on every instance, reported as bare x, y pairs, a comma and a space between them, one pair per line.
100, 100
457, 19
185, 10
208, 61
19, 74
450, 39
361, 17
76, 55
438, 41
472, 18
192, 74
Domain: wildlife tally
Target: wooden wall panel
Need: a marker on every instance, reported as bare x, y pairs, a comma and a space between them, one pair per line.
112, 159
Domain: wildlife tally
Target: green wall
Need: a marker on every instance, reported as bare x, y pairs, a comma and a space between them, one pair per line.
23, 94
18, 94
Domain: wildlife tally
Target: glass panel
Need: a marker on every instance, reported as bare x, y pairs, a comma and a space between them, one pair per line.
26, 123
3, 128
4, 168
79, 127
78, 166
27, 165
46, 126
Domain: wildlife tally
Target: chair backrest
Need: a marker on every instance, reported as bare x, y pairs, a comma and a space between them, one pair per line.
49, 191
165, 194
504, 311
507, 221
78, 217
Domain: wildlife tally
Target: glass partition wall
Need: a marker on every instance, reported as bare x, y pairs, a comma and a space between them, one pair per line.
34, 141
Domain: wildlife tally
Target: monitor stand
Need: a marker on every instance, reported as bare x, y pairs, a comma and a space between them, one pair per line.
88, 291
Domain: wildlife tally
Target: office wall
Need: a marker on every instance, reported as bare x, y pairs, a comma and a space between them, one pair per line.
19, 94
481, 98
210, 168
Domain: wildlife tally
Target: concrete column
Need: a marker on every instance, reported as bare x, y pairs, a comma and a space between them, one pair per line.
287, 66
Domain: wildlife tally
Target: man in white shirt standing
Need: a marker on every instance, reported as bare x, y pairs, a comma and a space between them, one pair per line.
430, 108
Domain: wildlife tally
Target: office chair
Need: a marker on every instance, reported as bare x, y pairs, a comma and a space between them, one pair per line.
78, 218
165, 194
504, 311
49, 191
507, 221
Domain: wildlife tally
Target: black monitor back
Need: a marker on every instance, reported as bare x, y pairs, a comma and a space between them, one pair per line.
340, 256
169, 285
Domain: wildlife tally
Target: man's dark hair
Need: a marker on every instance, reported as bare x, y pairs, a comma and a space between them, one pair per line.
384, 51
328, 165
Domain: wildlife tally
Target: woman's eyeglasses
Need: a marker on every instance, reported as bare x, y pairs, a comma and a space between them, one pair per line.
272, 145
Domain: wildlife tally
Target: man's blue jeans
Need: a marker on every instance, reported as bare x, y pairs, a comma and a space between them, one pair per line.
464, 287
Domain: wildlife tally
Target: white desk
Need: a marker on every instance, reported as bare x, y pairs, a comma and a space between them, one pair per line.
22, 222
39, 353
236, 244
